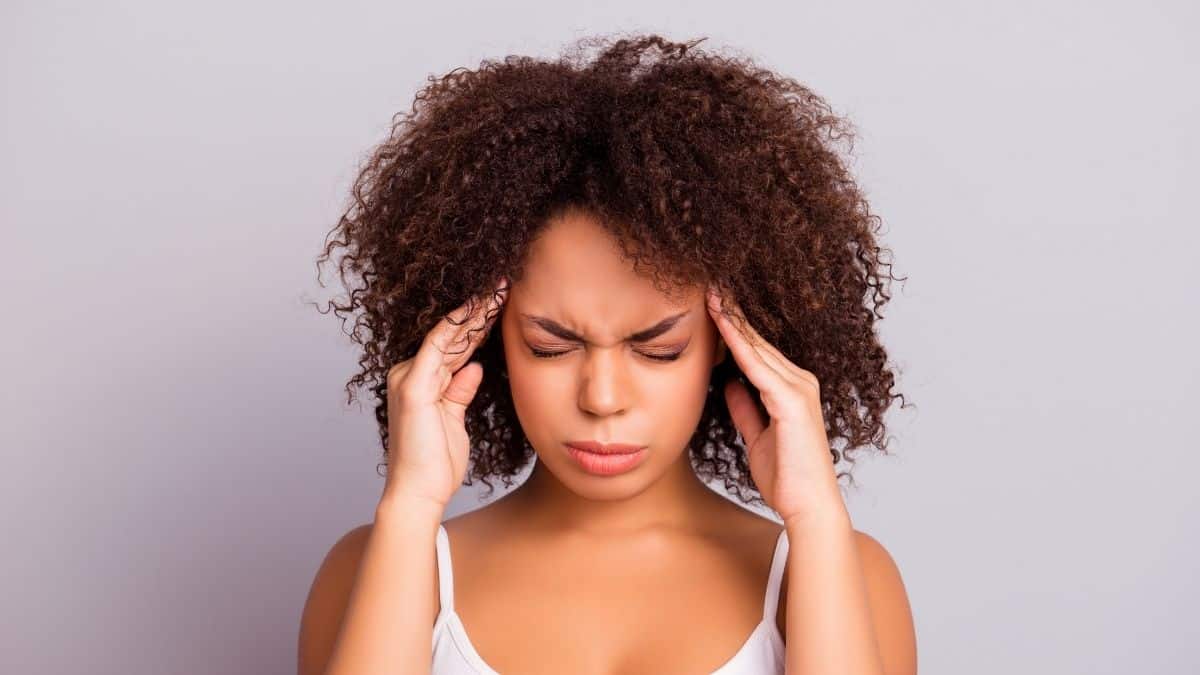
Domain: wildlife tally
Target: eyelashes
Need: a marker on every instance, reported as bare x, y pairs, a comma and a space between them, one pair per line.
655, 357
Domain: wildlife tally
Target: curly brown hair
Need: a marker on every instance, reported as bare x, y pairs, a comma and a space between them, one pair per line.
706, 167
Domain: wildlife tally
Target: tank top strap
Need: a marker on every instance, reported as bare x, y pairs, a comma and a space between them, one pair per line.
775, 579
445, 571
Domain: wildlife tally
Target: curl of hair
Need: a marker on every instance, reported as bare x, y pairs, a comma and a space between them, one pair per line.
706, 167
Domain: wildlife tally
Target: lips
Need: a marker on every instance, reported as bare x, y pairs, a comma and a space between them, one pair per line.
606, 448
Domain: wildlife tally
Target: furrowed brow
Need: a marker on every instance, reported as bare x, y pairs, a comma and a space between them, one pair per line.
558, 330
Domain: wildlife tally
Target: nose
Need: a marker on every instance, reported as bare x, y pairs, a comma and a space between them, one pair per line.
605, 388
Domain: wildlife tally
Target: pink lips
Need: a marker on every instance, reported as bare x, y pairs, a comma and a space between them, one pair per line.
606, 459
599, 448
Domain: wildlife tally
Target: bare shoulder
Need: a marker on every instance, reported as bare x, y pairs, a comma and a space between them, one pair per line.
889, 600
328, 598
891, 614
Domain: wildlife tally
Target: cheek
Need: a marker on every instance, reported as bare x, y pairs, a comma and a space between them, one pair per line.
537, 395
688, 388
689, 384
676, 405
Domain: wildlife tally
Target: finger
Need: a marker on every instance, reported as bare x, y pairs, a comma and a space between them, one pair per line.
436, 361
476, 325
744, 412
753, 362
769, 352
462, 390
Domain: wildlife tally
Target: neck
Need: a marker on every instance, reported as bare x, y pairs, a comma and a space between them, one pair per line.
677, 500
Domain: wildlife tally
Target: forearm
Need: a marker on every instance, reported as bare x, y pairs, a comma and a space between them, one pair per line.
829, 629
388, 625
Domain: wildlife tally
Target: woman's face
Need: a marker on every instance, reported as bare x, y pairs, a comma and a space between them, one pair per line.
580, 308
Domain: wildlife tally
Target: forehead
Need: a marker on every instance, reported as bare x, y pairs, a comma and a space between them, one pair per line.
574, 272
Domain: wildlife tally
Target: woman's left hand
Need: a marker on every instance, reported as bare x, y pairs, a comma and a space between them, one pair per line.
788, 453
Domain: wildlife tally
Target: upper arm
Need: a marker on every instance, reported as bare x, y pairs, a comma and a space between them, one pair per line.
327, 600
891, 615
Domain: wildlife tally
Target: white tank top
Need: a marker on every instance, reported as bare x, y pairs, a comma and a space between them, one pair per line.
453, 654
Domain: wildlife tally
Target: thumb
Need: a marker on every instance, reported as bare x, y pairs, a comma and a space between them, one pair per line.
744, 412
462, 388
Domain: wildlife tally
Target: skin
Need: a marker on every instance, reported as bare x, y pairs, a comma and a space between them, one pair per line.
606, 389
675, 573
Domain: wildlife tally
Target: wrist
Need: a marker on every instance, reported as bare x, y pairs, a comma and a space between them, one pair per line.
834, 516
392, 505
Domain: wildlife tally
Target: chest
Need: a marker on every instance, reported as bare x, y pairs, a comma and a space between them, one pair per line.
661, 607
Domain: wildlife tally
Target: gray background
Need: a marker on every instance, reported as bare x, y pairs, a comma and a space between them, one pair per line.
178, 452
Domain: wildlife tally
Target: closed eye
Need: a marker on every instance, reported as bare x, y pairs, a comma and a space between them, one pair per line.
656, 357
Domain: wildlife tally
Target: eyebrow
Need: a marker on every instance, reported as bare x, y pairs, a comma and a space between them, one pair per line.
558, 330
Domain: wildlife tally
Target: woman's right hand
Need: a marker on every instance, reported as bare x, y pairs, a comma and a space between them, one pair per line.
427, 398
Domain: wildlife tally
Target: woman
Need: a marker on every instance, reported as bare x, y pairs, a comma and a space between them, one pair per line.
638, 277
